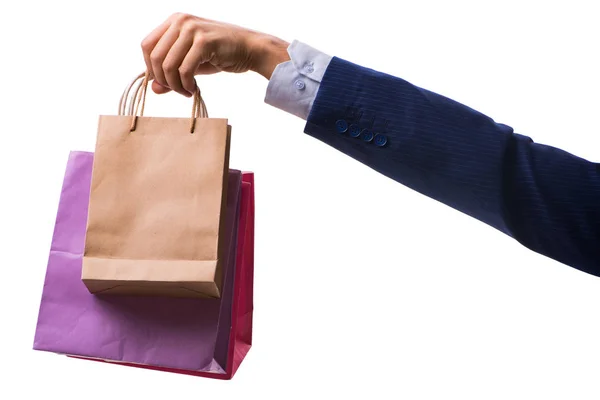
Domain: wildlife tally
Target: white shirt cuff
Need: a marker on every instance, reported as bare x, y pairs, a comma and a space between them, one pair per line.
295, 83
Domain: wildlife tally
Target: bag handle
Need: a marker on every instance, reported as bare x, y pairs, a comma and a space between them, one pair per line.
131, 105
125, 96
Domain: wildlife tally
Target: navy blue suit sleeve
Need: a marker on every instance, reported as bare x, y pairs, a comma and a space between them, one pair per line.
546, 198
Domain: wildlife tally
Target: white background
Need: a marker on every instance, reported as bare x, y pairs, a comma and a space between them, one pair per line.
364, 289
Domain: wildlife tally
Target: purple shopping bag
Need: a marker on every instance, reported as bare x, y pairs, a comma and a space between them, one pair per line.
176, 333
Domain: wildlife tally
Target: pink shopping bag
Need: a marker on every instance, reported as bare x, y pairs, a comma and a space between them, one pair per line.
202, 337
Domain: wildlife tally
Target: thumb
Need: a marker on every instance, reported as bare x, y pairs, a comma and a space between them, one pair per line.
159, 89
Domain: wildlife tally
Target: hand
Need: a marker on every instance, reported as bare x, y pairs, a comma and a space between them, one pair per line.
184, 46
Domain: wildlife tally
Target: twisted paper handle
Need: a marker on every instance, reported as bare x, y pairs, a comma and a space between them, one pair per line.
132, 104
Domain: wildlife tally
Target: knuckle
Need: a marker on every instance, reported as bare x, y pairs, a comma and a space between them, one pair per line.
181, 17
185, 71
187, 29
200, 40
146, 45
168, 67
155, 58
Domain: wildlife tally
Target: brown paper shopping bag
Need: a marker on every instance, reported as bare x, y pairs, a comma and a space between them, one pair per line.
157, 202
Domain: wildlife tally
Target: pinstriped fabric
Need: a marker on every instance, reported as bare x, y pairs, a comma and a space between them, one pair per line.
546, 198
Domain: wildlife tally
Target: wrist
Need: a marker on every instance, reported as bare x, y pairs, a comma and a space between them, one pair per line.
267, 52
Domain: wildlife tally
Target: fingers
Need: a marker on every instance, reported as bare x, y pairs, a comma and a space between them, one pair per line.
197, 55
184, 46
150, 42
158, 55
171, 65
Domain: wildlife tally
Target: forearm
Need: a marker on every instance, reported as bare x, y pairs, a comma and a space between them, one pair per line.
546, 198
433, 144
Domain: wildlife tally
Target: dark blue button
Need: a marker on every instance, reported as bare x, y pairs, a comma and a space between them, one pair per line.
341, 126
354, 130
380, 140
366, 135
